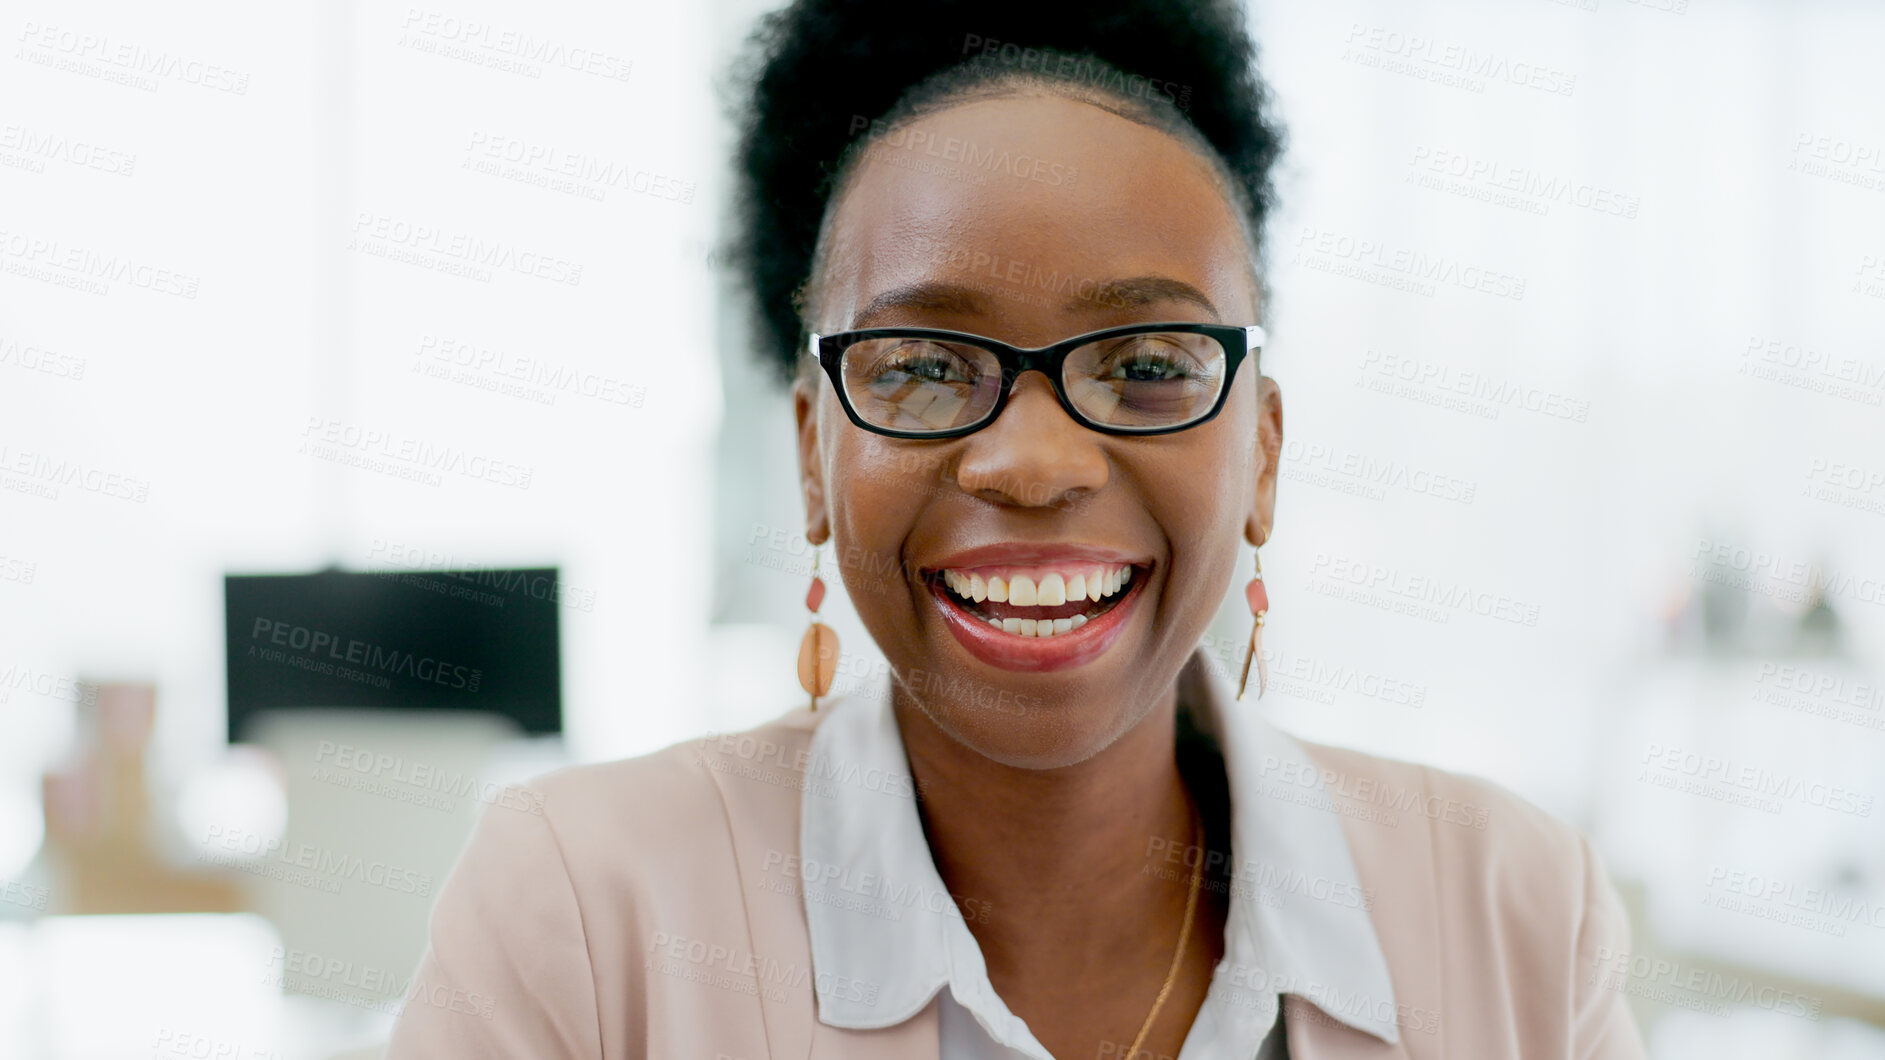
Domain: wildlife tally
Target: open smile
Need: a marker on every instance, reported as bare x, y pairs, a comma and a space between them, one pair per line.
1037, 616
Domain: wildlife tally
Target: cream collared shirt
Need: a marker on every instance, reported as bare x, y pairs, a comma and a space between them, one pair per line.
886, 936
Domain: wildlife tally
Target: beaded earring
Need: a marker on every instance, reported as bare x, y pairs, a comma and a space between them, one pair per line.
818, 652
1259, 599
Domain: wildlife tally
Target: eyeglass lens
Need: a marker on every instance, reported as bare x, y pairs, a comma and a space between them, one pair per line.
1148, 380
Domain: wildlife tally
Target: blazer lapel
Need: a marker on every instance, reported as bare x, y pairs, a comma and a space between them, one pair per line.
1314, 1035
1396, 865
764, 821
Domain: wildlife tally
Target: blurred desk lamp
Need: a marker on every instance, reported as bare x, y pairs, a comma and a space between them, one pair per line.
99, 841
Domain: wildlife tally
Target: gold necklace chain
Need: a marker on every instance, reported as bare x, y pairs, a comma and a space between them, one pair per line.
1184, 933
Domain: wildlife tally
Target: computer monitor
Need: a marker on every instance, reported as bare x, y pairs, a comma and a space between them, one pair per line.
464, 640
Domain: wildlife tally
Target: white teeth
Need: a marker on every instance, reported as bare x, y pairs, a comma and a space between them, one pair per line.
1053, 591
993, 621
1021, 592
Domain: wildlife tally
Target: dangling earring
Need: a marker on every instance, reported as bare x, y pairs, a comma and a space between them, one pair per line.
1259, 607
818, 652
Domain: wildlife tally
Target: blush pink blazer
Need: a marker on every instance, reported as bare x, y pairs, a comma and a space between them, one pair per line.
625, 917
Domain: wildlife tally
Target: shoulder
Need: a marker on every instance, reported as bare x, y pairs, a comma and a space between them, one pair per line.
677, 767
566, 882
1470, 878
1477, 893
618, 813
1468, 822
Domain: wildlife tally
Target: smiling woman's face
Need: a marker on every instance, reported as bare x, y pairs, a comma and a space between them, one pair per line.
1136, 228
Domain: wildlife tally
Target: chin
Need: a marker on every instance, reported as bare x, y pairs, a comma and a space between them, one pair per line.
1054, 724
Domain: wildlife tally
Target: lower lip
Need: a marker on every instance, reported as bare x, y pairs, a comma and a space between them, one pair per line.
1062, 651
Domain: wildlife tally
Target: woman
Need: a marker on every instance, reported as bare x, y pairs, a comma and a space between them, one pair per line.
1007, 257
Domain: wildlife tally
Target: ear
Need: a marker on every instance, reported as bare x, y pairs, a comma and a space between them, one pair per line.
1269, 452
805, 393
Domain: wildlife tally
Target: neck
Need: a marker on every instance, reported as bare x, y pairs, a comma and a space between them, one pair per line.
1054, 852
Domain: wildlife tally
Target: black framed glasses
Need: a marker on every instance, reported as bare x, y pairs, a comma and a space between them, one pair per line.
1140, 379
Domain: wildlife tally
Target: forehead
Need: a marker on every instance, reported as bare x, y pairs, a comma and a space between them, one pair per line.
1027, 199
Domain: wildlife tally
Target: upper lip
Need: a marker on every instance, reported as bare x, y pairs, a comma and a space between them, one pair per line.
1044, 554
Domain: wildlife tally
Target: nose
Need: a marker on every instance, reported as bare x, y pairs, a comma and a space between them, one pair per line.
1034, 455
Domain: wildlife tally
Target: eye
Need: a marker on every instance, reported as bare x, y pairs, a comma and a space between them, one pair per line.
1149, 359
920, 360
920, 383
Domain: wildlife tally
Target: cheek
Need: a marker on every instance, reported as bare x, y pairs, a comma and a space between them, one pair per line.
1203, 484
877, 492
1230, 452
1200, 492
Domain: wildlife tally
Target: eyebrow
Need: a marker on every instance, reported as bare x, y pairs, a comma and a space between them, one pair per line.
938, 297
931, 297
1141, 290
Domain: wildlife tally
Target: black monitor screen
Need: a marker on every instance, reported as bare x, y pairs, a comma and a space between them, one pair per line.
482, 640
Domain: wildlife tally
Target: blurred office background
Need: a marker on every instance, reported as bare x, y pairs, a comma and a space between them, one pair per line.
1579, 314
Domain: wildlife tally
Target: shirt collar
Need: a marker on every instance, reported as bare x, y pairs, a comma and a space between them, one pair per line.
886, 935
1306, 916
